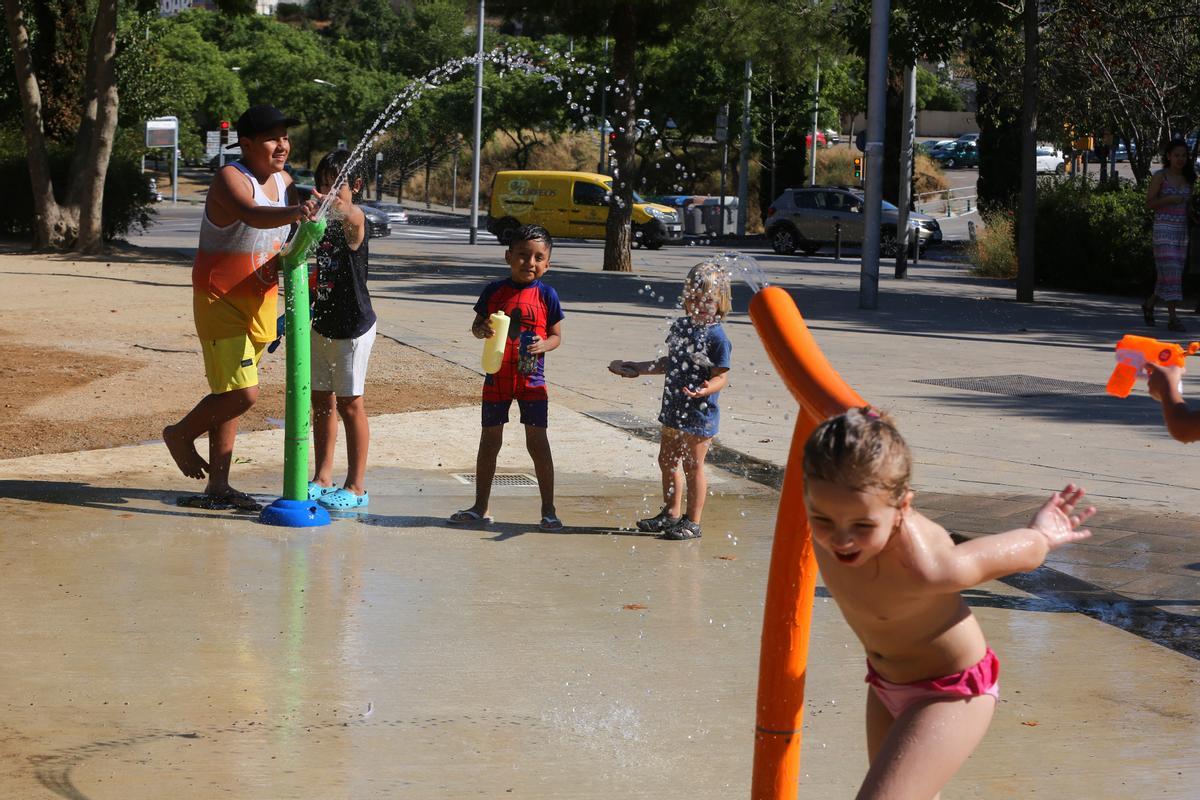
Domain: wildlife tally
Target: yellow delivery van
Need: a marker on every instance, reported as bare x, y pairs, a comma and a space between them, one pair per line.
572, 205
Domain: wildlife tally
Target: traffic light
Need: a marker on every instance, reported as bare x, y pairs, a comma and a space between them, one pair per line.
224, 133
858, 167
612, 138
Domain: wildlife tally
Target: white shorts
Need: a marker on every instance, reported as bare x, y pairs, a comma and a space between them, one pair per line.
340, 365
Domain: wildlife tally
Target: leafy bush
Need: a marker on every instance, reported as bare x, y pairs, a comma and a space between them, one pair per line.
126, 190
993, 254
1092, 238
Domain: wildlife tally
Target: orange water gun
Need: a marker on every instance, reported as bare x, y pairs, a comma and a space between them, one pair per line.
1135, 352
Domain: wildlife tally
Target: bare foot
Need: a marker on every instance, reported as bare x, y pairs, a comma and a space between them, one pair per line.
184, 452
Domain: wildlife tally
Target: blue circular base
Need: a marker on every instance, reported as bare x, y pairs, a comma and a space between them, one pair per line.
294, 514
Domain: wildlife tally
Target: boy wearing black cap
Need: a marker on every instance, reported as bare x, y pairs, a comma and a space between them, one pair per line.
247, 217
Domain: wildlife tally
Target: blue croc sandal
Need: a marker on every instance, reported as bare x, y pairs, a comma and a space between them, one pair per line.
316, 491
343, 500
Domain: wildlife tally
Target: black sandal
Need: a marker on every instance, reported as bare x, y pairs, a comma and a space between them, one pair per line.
658, 523
683, 530
1148, 314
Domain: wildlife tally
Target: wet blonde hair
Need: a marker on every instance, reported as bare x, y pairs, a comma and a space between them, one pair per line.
860, 450
710, 279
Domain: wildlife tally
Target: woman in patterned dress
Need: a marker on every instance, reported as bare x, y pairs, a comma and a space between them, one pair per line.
1169, 196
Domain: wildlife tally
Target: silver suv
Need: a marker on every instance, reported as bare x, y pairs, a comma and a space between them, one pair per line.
807, 219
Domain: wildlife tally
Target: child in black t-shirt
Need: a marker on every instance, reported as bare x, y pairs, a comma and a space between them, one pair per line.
343, 333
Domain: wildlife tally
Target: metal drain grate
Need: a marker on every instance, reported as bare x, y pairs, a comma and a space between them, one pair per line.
1016, 385
501, 478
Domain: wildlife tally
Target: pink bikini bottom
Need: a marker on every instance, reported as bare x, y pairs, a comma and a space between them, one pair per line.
981, 679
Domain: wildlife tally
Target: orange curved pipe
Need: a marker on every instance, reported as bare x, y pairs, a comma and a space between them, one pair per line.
792, 579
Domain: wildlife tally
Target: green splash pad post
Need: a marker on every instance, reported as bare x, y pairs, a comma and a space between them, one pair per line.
294, 509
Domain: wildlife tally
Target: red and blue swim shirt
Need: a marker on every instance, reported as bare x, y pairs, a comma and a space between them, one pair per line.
533, 308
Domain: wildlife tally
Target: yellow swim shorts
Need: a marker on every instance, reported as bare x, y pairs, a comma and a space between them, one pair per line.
231, 363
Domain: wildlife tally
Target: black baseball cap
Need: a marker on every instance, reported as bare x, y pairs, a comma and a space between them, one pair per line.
260, 119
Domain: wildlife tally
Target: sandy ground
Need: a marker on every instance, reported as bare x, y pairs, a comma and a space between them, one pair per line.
101, 352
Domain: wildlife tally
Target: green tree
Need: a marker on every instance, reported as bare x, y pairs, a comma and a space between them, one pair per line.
996, 58
784, 41
633, 27
74, 222
935, 94
194, 81
1127, 66
242, 8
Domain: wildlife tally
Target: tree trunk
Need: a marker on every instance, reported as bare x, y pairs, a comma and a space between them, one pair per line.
894, 104
51, 227
76, 223
98, 124
618, 236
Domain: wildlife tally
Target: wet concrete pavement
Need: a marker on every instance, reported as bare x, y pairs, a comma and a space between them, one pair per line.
153, 651
391, 655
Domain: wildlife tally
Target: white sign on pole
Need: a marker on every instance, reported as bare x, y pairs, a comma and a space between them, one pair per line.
162, 132
212, 142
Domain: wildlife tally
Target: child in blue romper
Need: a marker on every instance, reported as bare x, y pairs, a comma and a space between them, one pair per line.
697, 369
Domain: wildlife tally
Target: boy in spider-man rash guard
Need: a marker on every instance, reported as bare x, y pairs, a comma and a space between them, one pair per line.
535, 329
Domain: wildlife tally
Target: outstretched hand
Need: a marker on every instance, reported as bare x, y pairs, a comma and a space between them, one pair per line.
310, 207
625, 369
704, 390
1058, 521
1160, 381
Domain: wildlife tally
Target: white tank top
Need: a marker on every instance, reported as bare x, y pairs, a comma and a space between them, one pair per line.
233, 288
237, 236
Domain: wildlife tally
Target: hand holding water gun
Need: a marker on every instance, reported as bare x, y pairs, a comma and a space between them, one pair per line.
1134, 353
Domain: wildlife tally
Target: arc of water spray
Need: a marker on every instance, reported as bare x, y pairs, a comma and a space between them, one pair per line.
507, 60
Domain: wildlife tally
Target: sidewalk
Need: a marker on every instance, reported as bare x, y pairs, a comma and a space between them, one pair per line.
1000, 401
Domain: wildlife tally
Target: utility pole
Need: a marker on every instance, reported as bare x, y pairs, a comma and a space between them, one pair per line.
908, 126
723, 137
744, 160
812, 164
1026, 226
603, 122
868, 285
478, 127
774, 167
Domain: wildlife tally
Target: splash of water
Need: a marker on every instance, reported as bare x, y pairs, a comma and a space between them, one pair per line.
745, 268
547, 63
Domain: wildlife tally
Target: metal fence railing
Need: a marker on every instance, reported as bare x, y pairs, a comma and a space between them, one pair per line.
948, 202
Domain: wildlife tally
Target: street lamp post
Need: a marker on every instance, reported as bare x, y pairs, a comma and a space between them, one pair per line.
478, 126
868, 287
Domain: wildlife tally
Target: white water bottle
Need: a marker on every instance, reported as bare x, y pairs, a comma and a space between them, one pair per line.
493, 347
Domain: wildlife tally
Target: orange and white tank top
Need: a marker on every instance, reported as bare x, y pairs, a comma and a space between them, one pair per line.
234, 289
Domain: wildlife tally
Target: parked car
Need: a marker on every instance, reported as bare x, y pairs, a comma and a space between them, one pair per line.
395, 213
573, 205
932, 148
1049, 159
959, 154
378, 222
1123, 149
808, 219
